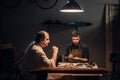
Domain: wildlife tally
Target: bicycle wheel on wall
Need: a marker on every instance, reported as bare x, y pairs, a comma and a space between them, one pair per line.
46, 4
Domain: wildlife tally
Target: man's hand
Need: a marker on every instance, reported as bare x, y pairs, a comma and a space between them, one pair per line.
55, 49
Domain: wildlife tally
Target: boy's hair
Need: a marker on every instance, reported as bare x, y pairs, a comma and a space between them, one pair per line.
75, 34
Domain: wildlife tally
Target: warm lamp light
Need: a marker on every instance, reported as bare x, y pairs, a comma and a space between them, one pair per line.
72, 6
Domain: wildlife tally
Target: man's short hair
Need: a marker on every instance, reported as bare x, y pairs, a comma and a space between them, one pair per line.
40, 36
75, 34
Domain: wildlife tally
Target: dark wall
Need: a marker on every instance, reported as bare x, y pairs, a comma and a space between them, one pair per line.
115, 55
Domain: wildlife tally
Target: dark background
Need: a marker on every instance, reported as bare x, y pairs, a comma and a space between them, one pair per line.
19, 25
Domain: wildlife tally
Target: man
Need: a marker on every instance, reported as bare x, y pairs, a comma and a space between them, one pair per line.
36, 57
76, 51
